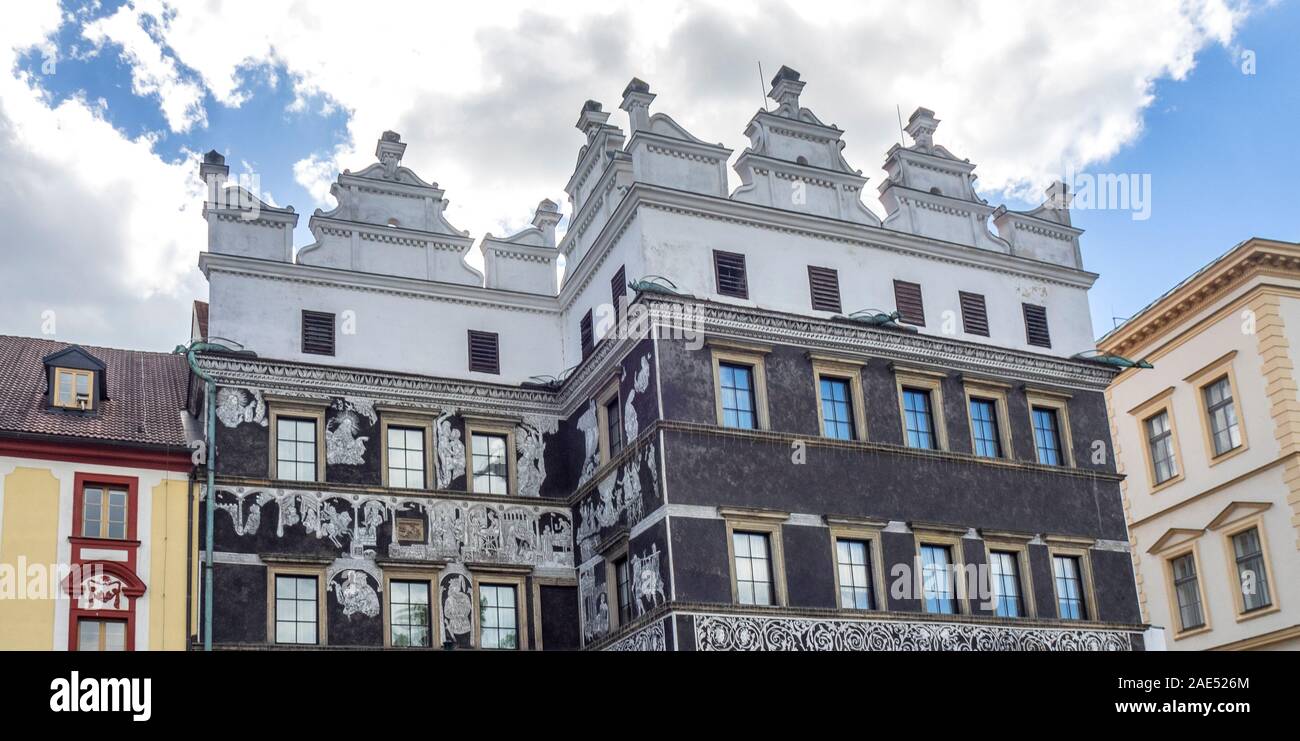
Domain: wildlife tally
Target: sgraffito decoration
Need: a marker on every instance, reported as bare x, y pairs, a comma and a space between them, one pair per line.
649, 638
456, 600
588, 426
617, 500
757, 633
647, 580
531, 468
640, 382
595, 601
355, 594
477, 532
236, 406
343, 446
450, 449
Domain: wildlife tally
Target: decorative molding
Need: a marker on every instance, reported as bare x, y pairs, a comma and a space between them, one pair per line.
649, 638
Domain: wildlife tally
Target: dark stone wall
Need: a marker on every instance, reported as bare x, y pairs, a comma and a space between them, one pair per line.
1040, 565
809, 568
700, 560
239, 603
559, 618
1112, 575
899, 549
244, 450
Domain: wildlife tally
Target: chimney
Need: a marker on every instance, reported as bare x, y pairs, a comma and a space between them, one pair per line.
785, 91
920, 126
213, 172
636, 101
545, 218
1058, 201
591, 120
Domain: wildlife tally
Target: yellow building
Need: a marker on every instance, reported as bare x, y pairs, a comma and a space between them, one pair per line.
94, 498
1209, 441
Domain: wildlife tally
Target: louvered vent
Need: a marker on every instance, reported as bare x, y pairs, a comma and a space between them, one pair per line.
974, 315
317, 333
618, 290
584, 329
1036, 332
907, 297
730, 269
824, 285
484, 352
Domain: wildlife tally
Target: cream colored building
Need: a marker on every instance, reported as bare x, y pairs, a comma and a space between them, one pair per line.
1209, 441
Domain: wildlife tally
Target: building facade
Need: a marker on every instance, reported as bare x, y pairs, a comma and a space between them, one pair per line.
94, 498
1209, 442
760, 418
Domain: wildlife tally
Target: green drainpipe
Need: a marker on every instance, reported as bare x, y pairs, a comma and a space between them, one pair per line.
209, 408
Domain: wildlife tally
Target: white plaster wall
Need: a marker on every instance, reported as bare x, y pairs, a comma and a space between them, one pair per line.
677, 172
395, 332
625, 253
680, 247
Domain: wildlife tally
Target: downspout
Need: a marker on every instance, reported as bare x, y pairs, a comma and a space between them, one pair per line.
209, 509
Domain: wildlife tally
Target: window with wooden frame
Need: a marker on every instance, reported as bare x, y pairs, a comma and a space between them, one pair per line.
942, 582
297, 442
990, 424
609, 421
755, 556
729, 270
618, 583
841, 409
1185, 589
824, 288
407, 453
500, 620
1072, 582
974, 314
295, 605
920, 408
1159, 434
1011, 586
1222, 428
410, 613
1036, 329
490, 448
1250, 565
859, 569
74, 389
1049, 420
105, 510
484, 352
740, 385
911, 307
317, 333
94, 634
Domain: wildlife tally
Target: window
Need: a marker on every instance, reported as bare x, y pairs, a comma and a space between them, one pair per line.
938, 586
1187, 592
853, 562
729, 269
1036, 325
837, 408
409, 613
984, 428
907, 297
1160, 443
610, 422
484, 352
498, 617
1066, 574
753, 568
1225, 433
623, 590
74, 389
586, 335
104, 512
737, 385
317, 333
824, 286
101, 635
613, 427
1252, 574
618, 290
297, 608
295, 449
918, 419
1004, 580
1047, 436
406, 457
490, 465
974, 315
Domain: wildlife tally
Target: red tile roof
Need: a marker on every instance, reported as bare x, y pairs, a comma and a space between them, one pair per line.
146, 393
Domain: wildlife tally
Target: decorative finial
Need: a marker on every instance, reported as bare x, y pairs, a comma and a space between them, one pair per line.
786, 87
636, 101
592, 119
921, 126
389, 150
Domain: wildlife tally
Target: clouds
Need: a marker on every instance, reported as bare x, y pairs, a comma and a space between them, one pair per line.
486, 95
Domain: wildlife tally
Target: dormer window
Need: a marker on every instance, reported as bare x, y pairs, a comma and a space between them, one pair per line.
74, 389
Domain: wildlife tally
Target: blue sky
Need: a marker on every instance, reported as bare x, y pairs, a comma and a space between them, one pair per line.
485, 95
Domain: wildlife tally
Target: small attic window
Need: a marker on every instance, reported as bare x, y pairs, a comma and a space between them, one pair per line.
802, 160
936, 191
74, 389
394, 223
